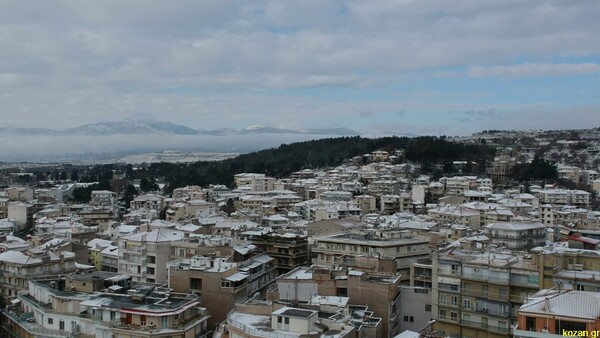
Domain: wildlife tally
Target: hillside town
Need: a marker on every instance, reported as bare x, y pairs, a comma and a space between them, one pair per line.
377, 246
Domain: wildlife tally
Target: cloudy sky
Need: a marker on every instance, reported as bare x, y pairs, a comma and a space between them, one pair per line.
426, 67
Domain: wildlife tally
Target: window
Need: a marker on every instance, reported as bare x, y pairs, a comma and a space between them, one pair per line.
196, 283
466, 303
50, 321
61, 325
442, 299
406, 318
454, 300
286, 320
442, 313
453, 316
411, 319
428, 307
502, 292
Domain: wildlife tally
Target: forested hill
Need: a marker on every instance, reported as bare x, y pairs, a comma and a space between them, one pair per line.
288, 158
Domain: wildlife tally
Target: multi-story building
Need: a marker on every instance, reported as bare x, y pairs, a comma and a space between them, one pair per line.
517, 236
148, 201
455, 185
477, 294
366, 203
17, 268
221, 283
322, 317
189, 192
103, 198
144, 255
554, 313
574, 268
378, 291
22, 213
103, 305
578, 198
288, 250
401, 247
501, 166
254, 182
3, 207
456, 214
23, 194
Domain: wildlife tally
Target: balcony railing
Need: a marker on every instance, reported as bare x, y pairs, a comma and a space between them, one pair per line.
32, 327
267, 333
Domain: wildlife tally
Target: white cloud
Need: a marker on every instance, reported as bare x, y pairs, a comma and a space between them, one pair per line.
535, 69
219, 63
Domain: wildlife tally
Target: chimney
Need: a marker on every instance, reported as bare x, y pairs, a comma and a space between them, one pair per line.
546, 305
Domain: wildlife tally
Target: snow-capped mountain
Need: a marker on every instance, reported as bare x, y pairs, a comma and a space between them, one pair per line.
128, 127
133, 127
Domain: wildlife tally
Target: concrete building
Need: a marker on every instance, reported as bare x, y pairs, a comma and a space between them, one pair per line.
103, 198
148, 201
254, 182
399, 247
144, 255
477, 294
319, 318
18, 268
574, 268
22, 213
288, 250
554, 313
23, 194
103, 305
221, 283
379, 292
456, 214
517, 236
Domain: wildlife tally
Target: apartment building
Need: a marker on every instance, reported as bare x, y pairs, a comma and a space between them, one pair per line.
289, 250
456, 214
144, 255
517, 236
400, 247
103, 305
189, 192
220, 283
148, 201
578, 198
477, 294
23, 194
22, 213
455, 185
378, 291
574, 268
103, 198
17, 268
555, 313
322, 317
254, 182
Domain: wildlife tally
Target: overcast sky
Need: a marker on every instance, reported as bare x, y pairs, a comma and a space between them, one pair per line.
379, 67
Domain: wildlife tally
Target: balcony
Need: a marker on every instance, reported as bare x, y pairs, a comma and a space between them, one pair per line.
485, 278
27, 322
255, 331
178, 327
533, 334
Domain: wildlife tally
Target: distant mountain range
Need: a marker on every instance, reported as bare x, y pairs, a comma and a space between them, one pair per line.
132, 127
